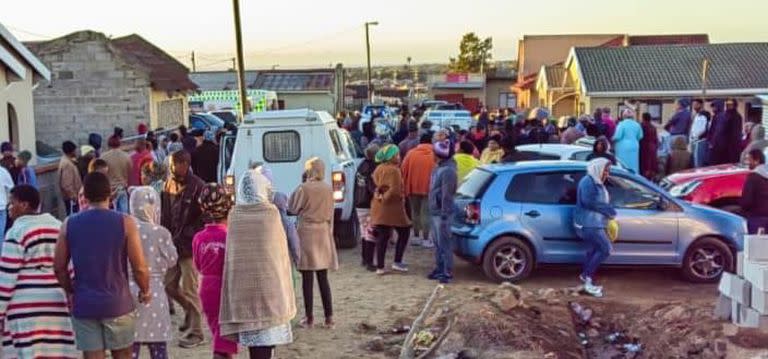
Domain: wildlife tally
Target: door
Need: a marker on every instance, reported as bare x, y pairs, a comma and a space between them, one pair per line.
226, 148
547, 201
648, 228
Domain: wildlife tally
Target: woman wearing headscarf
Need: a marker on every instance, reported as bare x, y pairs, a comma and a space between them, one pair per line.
312, 203
153, 327
388, 208
208, 253
573, 132
590, 219
649, 147
627, 140
257, 311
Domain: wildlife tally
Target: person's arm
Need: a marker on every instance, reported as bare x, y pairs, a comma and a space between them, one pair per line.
747, 201
405, 168
61, 261
136, 259
297, 201
448, 190
392, 186
588, 193
619, 134
10, 264
67, 178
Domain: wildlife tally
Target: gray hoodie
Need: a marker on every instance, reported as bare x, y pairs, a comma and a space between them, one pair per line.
443, 188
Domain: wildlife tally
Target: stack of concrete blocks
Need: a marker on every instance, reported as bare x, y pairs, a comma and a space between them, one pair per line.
744, 295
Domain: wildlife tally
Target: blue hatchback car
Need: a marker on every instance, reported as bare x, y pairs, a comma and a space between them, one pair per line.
514, 217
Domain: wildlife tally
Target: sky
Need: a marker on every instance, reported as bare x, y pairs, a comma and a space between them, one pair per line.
311, 33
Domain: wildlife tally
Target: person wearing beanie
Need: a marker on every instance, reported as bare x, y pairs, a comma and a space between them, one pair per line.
205, 158
26, 174
142, 129
417, 169
8, 161
442, 190
70, 180
94, 139
87, 154
465, 161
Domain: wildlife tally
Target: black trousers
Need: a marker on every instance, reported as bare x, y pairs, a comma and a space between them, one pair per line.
383, 234
260, 352
307, 284
71, 207
369, 248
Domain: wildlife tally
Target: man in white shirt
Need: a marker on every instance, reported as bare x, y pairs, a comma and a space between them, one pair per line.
698, 135
6, 184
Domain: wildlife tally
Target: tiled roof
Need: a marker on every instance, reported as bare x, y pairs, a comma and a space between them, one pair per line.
165, 72
279, 81
555, 74
673, 67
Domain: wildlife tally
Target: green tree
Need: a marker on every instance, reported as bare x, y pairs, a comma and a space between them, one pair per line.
474, 54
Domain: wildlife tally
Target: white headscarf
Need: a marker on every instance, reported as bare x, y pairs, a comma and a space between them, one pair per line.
254, 187
145, 204
596, 167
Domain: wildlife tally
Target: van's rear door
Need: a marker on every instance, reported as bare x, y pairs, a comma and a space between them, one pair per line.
226, 148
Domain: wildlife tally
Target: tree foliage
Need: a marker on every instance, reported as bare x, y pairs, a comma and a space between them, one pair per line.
474, 54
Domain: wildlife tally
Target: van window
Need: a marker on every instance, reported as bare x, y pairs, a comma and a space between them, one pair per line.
337, 146
281, 146
544, 188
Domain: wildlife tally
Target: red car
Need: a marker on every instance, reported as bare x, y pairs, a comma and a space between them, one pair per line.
716, 186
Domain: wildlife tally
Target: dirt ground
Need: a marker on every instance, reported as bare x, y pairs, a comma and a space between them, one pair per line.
367, 308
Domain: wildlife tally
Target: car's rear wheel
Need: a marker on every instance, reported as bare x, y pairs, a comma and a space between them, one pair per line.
347, 232
706, 260
508, 259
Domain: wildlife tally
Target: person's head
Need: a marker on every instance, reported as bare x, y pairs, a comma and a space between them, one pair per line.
315, 169
466, 147
599, 169
682, 104
145, 204
479, 128
606, 111
118, 132
6, 148
442, 150
114, 142
152, 172
494, 143
628, 113
370, 151
255, 187
142, 128
96, 189
697, 105
25, 200
441, 135
216, 202
87, 151
413, 127
425, 138
647, 117
94, 139
173, 137
98, 165
600, 146
731, 104
199, 136
183, 131
717, 105
755, 158
180, 162
141, 145
69, 148
22, 160
388, 154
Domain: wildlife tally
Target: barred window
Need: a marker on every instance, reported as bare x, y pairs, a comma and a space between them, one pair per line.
282, 146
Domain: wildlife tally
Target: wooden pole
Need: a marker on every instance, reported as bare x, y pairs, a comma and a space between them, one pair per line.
407, 351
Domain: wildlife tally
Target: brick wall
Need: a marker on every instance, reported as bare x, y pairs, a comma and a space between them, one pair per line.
90, 91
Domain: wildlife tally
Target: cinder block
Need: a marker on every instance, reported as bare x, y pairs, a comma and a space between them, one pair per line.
751, 318
726, 283
741, 291
759, 301
735, 312
740, 263
756, 273
756, 248
723, 308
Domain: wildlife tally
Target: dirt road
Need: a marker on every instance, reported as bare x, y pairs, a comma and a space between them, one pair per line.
362, 297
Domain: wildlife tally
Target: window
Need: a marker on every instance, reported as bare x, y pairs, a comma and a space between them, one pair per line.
544, 188
475, 184
655, 109
338, 148
508, 100
197, 123
282, 146
581, 156
628, 194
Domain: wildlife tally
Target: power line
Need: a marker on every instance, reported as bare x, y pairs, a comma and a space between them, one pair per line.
14, 28
307, 42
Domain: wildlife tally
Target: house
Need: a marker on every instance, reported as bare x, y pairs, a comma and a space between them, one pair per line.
655, 76
318, 89
99, 83
467, 89
20, 73
535, 51
498, 88
552, 92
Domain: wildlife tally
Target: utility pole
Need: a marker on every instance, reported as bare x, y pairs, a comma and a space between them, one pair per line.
240, 65
704, 73
194, 67
368, 52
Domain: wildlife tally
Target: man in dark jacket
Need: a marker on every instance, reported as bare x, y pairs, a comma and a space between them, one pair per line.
205, 159
364, 190
182, 216
754, 196
441, 193
680, 123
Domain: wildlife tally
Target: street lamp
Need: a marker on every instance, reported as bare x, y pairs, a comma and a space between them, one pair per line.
368, 52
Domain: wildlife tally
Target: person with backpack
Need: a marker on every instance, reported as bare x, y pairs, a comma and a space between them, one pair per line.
364, 191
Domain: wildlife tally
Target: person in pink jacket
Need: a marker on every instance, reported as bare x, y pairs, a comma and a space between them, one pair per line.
208, 254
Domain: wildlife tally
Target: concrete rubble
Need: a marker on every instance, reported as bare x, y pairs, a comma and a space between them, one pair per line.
746, 291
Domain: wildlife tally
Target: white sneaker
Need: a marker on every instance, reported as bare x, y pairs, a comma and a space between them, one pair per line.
427, 243
593, 290
416, 242
380, 272
400, 267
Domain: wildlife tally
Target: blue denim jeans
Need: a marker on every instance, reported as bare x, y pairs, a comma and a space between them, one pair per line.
121, 201
441, 232
598, 249
3, 221
700, 152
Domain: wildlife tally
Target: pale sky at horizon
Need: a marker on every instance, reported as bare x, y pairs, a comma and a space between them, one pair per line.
305, 33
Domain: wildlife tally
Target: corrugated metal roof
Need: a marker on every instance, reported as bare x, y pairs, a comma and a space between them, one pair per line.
279, 81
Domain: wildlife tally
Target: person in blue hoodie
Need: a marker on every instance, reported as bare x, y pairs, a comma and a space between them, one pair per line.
590, 218
441, 192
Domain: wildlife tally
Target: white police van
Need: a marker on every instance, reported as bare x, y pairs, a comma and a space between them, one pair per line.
283, 141
448, 118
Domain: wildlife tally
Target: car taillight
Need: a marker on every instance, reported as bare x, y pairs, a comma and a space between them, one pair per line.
472, 213
229, 184
338, 186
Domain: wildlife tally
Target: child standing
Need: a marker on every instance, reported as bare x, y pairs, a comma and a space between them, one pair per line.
208, 253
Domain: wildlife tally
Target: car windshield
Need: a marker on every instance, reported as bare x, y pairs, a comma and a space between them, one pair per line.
211, 119
475, 184
226, 116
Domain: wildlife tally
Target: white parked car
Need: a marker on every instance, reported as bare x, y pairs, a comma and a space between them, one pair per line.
555, 151
448, 118
283, 141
